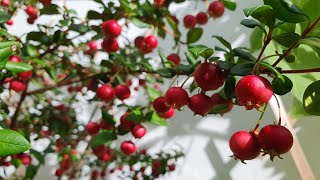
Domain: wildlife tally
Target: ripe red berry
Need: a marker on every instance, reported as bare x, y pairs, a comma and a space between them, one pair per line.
139, 42
25, 75
200, 104
159, 3
10, 22
216, 9
25, 159
252, 91
106, 157
189, 21
45, 2
5, 3
168, 114
139, 131
93, 46
244, 145
17, 85
31, 11
160, 105
208, 76
92, 128
126, 124
174, 58
172, 167
31, 20
156, 164
103, 173
202, 18
177, 97
105, 92
100, 150
217, 99
128, 147
275, 140
110, 45
59, 172
122, 92
105, 126
111, 28
94, 174
151, 42
15, 58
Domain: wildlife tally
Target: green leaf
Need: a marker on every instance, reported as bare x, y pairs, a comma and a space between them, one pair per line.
286, 39
79, 28
38, 155
229, 87
139, 23
4, 17
201, 50
9, 44
49, 10
251, 23
282, 87
292, 8
256, 40
187, 69
94, 15
311, 99
12, 142
135, 116
31, 171
155, 119
190, 58
38, 36
174, 27
167, 72
224, 42
265, 14
313, 42
5, 53
18, 67
108, 118
153, 93
273, 70
224, 65
242, 69
163, 58
219, 109
243, 54
100, 2
230, 5
194, 35
104, 137
32, 50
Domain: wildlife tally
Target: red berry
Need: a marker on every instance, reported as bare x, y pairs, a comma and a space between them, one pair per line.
99, 150
139, 131
105, 92
105, 126
15, 58
174, 58
5, 3
200, 104
160, 105
139, 42
106, 157
45, 2
92, 128
252, 91
10, 22
128, 147
17, 85
244, 145
174, 18
172, 167
120, 168
151, 42
208, 76
110, 45
93, 46
31, 11
177, 97
103, 173
189, 21
156, 164
111, 28
275, 139
217, 99
30, 20
59, 172
25, 159
94, 174
168, 114
25, 75
216, 9
202, 18
122, 92
126, 124
159, 3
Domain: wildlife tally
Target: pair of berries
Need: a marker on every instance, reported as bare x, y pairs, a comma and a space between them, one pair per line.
111, 30
146, 44
107, 93
19, 84
32, 13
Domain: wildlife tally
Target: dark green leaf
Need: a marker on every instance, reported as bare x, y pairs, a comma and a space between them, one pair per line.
79, 28
201, 50
49, 10
5, 53
311, 99
167, 72
12, 142
229, 87
135, 116
104, 137
155, 119
153, 93
31, 171
243, 54
139, 23
265, 14
230, 5
18, 67
224, 42
225, 65
281, 88
273, 70
194, 35
286, 39
219, 109
108, 118
4, 17
38, 36
94, 15
251, 23
190, 58
242, 69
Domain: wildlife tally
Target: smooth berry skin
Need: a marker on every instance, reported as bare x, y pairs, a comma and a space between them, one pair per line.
189, 21
202, 18
93, 128
15, 58
217, 99
208, 76
275, 139
31, 20
31, 11
105, 92
200, 104
25, 159
139, 131
253, 91
106, 157
111, 28
94, 174
160, 105
151, 42
93, 46
172, 167
17, 85
174, 58
159, 3
169, 114
110, 45
59, 172
216, 9
122, 92
128, 147
105, 126
25, 75
10, 22
100, 150
5, 3
177, 97
126, 124
139, 42
45, 2
244, 145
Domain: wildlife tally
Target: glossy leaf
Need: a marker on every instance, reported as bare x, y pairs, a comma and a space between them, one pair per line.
155, 119
194, 35
229, 87
18, 67
243, 54
265, 14
12, 142
201, 50
242, 69
104, 137
311, 99
49, 10
281, 87
286, 39
230, 5
223, 41
4, 17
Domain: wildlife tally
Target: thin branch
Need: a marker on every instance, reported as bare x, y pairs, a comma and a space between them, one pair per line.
16, 113
300, 71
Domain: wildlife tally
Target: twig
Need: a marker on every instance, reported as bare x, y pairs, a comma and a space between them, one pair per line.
16, 113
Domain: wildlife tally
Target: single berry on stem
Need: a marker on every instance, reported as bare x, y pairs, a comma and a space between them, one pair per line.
208, 76
128, 147
174, 58
111, 28
105, 92
200, 104
160, 105
139, 131
202, 18
122, 92
216, 9
177, 97
189, 21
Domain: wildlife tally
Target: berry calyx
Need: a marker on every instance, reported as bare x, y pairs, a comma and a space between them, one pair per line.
122, 92
202, 18
189, 21
17, 85
216, 9
253, 91
128, 147
168, 114
174, 58
92, 128
110, 45
160, 105
275, 140
177, 97
139, 131
244, 145
200, 104
208, 76
105, 92
111, 28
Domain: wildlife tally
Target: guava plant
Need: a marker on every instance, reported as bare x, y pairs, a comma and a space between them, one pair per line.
44, 79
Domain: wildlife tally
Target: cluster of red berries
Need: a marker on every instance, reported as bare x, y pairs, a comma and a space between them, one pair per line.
274, 140
111, 30
19, 84
215, 10
32, 13
146, 44
107, 93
